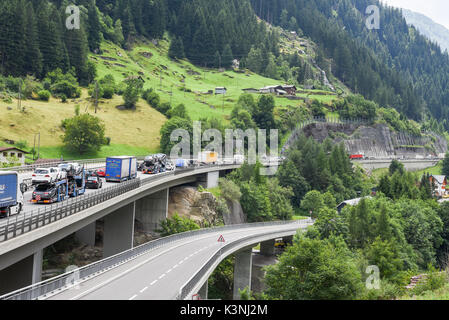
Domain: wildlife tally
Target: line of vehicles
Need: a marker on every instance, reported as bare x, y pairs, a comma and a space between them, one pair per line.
70, 180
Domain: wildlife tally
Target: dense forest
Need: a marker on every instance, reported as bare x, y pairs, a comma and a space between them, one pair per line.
394, 65
36, 41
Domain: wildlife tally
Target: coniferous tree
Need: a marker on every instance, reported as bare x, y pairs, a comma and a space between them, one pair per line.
33, 63
176, 50
94, 27
227, 57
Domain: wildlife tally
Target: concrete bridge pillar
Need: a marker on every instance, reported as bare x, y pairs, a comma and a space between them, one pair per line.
209, 180
212, 179
152, 210
267, 248
22, 274
87, 234
242, 271
118, 235
204, 290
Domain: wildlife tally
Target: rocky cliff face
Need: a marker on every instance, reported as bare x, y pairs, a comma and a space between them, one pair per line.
197, 206
202, 207
378, 141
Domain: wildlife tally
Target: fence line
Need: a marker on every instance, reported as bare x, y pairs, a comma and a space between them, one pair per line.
21, 224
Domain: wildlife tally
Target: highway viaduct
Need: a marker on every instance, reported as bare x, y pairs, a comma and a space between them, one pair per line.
410, 165
21, 254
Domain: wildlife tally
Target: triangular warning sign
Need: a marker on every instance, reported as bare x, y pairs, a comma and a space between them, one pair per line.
221, 239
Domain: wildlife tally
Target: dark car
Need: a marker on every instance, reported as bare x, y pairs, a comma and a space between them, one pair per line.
47, 193
94, 182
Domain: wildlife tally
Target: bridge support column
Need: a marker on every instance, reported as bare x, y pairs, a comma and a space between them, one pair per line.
87, 235
152, 210
22, 274
267, 248
204, 290
242, 271
212, 179
118, 235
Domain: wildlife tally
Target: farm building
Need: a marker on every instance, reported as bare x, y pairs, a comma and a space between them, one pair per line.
440, 183
220, 90
12, 154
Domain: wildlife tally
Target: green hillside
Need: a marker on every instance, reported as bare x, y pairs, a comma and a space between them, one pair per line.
175, 81
188, 83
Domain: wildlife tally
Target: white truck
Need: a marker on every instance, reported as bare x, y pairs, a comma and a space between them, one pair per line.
11, 195
208, 157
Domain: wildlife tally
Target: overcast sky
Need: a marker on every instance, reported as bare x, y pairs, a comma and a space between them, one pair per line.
437, 10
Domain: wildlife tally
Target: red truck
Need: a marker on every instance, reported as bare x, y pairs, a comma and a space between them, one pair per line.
356, 157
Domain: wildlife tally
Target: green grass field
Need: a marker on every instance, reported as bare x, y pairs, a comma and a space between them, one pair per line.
181, 82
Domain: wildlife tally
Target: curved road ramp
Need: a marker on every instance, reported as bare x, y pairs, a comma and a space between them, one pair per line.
175, 267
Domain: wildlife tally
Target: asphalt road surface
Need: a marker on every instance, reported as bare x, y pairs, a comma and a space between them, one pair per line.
160, 273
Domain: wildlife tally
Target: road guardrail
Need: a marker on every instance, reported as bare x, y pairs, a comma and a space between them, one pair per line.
28, 221
186, 290
52, 286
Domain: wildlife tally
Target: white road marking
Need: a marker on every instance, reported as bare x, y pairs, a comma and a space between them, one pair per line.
143, 290
175, 266
133, 297
162, 276
169, 271
152, 283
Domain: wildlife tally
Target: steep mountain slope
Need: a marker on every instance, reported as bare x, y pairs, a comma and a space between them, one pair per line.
394, 65
428, 27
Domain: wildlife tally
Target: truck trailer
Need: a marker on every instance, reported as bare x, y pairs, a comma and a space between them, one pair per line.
208, 157
119, 169
11, 196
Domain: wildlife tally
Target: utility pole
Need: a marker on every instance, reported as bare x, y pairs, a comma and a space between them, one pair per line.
96, 96
19, 101
34, 146
39, 146
171, 96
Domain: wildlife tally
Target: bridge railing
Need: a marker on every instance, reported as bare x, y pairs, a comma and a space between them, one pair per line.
186, 290
28, 221
72, 278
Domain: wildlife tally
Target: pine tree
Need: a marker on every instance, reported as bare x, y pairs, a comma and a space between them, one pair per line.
217, 60
33, 63
53, 49
176, 50
77, 48
446, 165
227, 57
94, 27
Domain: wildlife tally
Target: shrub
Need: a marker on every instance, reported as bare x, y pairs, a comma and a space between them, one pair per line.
108, 92
66, 88
152, 98
44, 95
164, 108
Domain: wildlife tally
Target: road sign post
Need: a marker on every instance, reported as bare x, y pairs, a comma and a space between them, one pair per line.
222, 241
